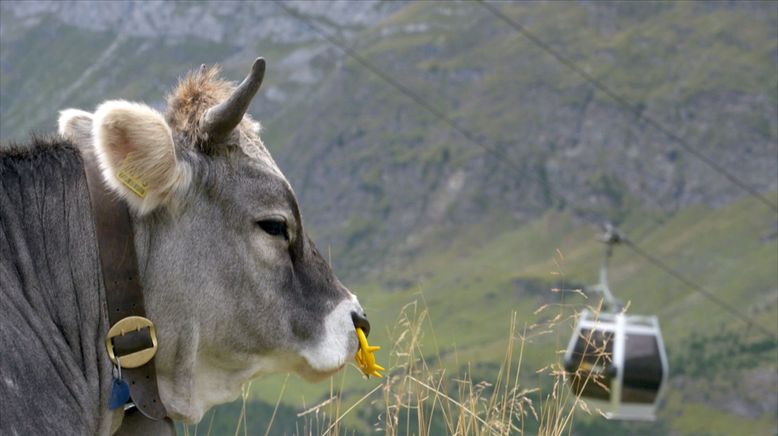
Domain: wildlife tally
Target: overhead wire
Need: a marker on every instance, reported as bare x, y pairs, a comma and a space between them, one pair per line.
639, 114
400, 87
503, 158
699, 288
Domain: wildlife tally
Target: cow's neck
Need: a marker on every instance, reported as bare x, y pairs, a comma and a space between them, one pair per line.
53, 282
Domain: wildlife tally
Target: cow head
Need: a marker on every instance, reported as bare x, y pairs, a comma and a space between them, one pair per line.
233, 283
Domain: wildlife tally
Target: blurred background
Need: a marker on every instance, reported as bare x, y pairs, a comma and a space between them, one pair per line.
464, 156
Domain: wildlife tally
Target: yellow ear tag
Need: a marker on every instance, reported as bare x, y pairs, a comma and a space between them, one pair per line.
130, 179
365, 358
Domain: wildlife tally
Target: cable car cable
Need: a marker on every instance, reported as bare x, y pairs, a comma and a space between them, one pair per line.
503, 158
699, 288
628, 106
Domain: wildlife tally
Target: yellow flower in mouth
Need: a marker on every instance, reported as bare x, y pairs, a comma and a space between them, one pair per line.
365, 358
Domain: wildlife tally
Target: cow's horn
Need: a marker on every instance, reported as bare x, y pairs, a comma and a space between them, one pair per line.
222, 119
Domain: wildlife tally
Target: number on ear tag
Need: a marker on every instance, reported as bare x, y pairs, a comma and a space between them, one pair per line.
130, 175
133, 183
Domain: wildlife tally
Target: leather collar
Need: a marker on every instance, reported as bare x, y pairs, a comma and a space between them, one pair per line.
123, 289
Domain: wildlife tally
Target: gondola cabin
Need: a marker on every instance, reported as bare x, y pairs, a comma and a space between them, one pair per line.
617, 363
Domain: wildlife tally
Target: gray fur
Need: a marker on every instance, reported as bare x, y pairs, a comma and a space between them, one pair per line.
53, 377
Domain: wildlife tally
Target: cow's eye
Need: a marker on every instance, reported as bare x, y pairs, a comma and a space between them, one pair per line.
274, 228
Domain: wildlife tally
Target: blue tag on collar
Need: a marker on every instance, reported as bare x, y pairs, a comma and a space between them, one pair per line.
120, 394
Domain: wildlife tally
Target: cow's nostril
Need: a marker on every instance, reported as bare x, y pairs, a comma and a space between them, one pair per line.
361, 322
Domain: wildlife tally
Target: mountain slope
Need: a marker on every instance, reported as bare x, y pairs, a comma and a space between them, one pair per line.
559, 144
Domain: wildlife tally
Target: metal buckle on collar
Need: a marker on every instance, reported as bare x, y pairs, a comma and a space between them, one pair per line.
128, 325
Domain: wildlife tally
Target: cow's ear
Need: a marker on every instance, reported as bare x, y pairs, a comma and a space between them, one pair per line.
76, 126
135, 151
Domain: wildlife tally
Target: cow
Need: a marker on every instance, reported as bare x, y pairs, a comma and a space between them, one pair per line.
232, 282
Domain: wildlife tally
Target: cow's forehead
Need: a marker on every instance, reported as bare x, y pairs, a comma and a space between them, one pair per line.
197, 92
255, 154
200, 90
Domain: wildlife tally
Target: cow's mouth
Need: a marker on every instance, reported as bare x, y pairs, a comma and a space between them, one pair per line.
336, 344
312, 375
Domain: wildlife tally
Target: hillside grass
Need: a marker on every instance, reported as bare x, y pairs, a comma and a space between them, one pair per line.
420, 395
687, 65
